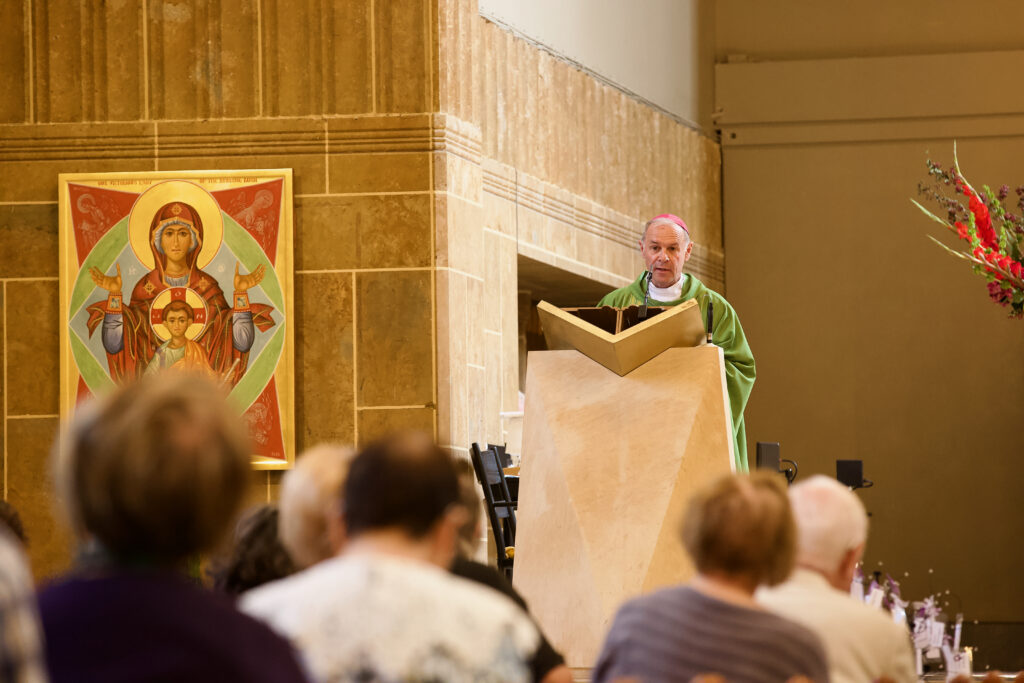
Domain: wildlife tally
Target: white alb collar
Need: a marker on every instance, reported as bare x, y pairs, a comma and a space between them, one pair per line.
670, 293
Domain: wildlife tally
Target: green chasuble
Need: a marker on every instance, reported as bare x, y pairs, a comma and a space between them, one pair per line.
726, 332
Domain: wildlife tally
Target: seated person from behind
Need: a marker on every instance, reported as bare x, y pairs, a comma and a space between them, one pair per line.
386, 608
739, 532
153, 475
256, 555
21, 647
310, 522
665, 247
547, 665
862, 643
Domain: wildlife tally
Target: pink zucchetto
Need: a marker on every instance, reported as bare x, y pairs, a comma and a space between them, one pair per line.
668, 219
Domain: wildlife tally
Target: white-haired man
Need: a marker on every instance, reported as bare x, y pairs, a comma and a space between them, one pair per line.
665, 246
862, 643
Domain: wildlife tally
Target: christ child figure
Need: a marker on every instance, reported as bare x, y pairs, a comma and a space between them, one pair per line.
179, 352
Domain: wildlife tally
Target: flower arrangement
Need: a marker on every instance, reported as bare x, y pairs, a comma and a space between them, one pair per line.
994, 235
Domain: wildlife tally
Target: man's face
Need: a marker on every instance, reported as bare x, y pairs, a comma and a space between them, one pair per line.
177, 323
175, 241
665, 249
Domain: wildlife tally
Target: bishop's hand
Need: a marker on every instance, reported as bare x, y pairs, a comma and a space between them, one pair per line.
244, 282
110, 283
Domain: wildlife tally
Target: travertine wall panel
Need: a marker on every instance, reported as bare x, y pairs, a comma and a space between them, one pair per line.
375, 423
363, 231
28, 233
203, 59
459, 52
394, 349
316, 57
453, 337
32, 346
404, 62
14, 105
324, 358
87, 61
29, 490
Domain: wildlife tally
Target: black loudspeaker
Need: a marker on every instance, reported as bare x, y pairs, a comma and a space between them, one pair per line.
768, 456
851, 473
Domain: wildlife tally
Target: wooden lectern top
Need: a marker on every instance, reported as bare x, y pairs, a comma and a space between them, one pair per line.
613, 337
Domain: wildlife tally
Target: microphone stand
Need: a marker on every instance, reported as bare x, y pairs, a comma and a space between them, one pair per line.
642, 314
711, 318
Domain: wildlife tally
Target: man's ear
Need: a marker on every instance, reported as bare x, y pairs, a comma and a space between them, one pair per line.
848, 565
688, 251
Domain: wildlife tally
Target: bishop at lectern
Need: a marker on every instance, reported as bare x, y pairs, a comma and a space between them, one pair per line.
665, 246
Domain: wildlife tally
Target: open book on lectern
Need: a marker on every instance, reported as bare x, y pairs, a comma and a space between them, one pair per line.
616, 337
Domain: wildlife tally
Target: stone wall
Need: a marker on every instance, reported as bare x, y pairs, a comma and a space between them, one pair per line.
430, 151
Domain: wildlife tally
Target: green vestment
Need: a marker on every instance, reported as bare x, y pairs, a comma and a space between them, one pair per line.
726, 332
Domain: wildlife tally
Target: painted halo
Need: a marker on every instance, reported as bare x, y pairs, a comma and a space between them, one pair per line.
150, 201
192, 298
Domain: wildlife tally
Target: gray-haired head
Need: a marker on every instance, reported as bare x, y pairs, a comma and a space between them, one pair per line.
831, 521
310, 497
670, 220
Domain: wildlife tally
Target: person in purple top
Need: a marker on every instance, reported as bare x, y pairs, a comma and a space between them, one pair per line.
151, 476
740, 533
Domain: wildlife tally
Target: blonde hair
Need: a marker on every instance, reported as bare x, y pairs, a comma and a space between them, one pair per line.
310, 494
741, 525
156, 471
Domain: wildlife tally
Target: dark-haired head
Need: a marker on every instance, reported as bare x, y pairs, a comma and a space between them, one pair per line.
256, 556
403, 482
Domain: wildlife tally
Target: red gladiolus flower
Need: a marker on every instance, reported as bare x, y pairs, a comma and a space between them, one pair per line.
982, 219
979, 253
961, 230
1016, 269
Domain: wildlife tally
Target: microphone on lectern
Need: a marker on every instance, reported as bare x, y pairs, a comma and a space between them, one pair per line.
711, 318
649, 274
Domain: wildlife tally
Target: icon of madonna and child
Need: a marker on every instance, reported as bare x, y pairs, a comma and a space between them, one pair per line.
175, 317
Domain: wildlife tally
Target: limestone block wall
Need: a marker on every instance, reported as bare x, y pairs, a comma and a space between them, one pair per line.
341, 92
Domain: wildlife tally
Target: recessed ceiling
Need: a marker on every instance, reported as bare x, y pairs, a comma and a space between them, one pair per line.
560, 287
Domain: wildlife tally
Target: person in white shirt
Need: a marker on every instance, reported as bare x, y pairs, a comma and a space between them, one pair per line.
386, 608
862, 643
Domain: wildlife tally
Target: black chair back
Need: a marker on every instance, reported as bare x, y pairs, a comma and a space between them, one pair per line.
500, 507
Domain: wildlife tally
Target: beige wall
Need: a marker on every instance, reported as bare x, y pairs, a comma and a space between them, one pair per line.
431, 150
871, 342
